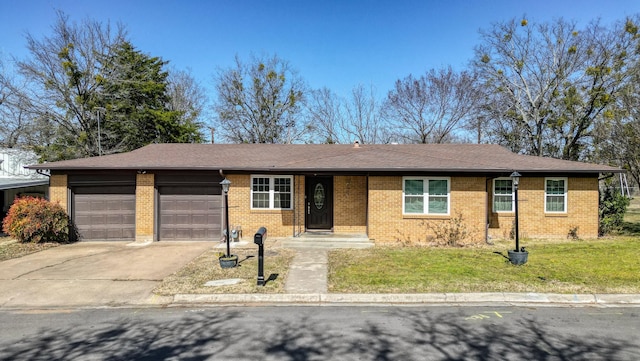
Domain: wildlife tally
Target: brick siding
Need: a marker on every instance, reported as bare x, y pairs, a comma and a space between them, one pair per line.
470, 197
279, 223
387, 224
582, 211
350, 204
58, 191
145, 207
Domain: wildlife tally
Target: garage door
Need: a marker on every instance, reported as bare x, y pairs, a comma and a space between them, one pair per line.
105, 213
190, 213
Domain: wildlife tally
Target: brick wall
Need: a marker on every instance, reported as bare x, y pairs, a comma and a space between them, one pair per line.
349, 194
279, 223
350, 204
388, 224
582, 211
58, 191
145, 206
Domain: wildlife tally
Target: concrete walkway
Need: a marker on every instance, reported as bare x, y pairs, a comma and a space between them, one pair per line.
308, 272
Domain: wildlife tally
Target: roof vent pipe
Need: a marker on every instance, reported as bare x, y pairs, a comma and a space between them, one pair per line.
356, 144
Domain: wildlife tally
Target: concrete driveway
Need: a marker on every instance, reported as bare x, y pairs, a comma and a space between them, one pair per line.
93, 274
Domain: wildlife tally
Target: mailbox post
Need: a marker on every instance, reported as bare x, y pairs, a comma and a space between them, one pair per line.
259, 239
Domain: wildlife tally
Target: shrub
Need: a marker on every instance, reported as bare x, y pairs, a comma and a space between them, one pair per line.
613, 205
451, 232
573, 233
36, 220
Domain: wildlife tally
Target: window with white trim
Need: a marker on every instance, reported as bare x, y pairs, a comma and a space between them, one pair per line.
503, 195
425, 195
271, 192
555, 195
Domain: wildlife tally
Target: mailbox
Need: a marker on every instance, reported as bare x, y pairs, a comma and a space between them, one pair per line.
259, 239
260, 236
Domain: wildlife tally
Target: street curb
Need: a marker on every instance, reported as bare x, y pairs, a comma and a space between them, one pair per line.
413, 299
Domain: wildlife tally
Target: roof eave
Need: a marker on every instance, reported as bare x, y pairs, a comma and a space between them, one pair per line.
336, 170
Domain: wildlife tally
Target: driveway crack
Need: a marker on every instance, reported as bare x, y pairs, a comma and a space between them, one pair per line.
63, 262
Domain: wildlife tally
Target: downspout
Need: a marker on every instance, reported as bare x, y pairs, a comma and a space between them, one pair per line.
366, 214
41, 172
295, 208
300, 218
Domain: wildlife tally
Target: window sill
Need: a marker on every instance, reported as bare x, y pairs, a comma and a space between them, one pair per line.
426, 216
259, 210
560, 215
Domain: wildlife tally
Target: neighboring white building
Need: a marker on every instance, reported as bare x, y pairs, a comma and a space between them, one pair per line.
15, 180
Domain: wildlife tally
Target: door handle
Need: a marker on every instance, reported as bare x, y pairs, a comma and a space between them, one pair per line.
308, 208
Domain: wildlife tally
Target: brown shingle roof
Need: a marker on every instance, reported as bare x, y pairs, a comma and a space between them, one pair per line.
329, 158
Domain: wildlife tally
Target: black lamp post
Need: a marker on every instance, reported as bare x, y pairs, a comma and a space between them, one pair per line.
517, 256
229, 260
515, 178
225, 188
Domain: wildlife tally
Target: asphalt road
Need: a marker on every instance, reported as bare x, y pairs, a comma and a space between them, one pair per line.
322, 333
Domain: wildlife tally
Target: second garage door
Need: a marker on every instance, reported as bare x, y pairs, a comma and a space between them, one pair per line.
190, 213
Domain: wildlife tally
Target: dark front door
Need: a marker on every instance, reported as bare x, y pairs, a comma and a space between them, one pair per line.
319, 196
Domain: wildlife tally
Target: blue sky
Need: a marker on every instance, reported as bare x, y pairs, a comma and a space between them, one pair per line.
337, 44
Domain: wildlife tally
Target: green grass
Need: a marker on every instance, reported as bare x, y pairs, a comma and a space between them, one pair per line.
595, 266
631, 223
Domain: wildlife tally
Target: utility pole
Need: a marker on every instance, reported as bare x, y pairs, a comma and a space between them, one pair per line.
99, 142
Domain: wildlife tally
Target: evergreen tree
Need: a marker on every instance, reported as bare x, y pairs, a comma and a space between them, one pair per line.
136, 103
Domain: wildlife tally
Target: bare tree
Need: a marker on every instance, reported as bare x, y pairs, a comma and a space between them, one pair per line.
62, 84
326, 114
546, 85
340, 120
617, 141
13, 119
186, 96
364, 121
260, 102
434, 107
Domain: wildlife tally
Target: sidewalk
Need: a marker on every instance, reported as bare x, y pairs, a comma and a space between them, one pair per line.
307, 285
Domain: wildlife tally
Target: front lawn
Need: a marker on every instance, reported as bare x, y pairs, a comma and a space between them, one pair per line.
609, 265
631, 224
192, 278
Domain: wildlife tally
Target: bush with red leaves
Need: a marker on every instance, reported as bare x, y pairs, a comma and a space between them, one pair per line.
36, 220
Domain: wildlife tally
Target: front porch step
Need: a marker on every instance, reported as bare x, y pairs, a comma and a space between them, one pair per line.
326, 240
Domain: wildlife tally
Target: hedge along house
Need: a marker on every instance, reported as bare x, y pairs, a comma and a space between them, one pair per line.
387, 192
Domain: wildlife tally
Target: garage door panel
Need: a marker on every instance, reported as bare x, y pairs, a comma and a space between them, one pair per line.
202, 233
119, 219
167, 219
119, 205
202, 219
189, 216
